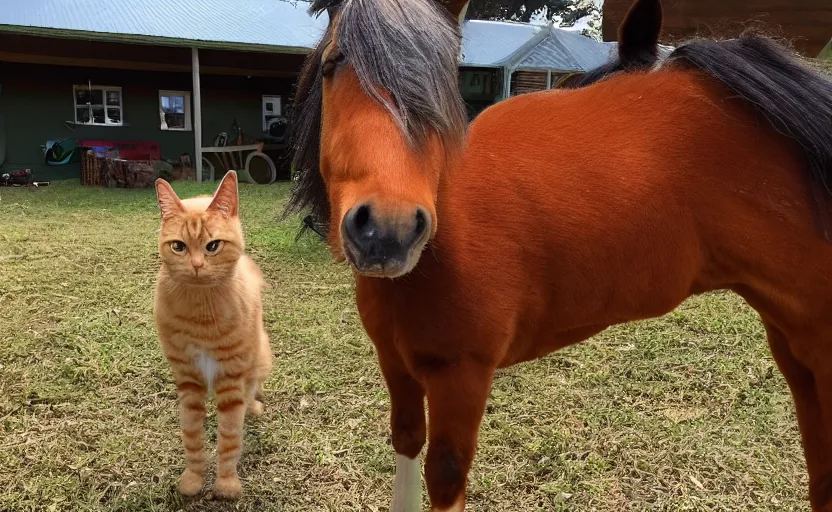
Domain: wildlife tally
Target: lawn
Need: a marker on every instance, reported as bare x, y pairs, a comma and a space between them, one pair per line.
687, 412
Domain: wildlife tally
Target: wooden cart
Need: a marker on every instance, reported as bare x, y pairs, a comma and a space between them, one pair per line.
248, 160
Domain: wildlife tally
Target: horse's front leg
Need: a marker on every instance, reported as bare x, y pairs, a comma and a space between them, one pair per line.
803, 358
407, 422
457, 395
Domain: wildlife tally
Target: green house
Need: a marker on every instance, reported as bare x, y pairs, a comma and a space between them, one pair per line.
147, 77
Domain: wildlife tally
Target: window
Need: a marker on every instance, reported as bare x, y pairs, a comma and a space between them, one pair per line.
272, 110
98, 105
175, 110
477, 84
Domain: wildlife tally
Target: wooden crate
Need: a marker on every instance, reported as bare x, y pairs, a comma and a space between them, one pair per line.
128, 173
91, 169
120, 173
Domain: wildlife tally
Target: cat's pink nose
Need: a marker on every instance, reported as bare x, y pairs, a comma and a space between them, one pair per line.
198, 263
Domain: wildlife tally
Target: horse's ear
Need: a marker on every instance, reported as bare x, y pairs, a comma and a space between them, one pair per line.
319, 6
457, 8
638, 35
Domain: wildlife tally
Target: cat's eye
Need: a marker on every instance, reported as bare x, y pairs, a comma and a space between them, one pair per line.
178, 247
213, 246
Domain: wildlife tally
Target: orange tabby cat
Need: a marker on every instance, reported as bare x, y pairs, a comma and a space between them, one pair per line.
210, 322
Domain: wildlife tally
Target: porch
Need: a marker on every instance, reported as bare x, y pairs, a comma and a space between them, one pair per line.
205, 95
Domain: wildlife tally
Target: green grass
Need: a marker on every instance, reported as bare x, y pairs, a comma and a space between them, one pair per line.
687, 412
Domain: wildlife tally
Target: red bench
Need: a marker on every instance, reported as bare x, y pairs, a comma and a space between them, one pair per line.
127, 149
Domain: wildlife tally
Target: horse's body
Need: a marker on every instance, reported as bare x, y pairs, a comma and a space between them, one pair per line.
599, 226
566, 212
598, 232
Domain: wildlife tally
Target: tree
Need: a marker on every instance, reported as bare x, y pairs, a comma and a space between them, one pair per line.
520, 10
563, 13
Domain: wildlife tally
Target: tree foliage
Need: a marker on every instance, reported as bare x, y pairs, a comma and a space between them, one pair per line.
520, 10
564, 13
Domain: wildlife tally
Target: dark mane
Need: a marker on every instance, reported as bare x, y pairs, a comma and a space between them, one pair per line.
408, 49
595, 75
794, 98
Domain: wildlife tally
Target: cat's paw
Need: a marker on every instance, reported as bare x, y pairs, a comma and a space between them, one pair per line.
228, 487
255, 408
190, 483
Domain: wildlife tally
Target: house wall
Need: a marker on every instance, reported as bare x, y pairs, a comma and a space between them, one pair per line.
37, 99
523, 82
480, 88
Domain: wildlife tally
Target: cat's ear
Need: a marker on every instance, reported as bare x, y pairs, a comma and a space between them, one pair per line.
226, 198
169, 202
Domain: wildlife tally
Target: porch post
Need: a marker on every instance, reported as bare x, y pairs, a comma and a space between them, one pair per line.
507, 72
197, 114
548, 79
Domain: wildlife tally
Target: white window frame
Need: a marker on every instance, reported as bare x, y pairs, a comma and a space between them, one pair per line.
263, 114
104, 90
187, 100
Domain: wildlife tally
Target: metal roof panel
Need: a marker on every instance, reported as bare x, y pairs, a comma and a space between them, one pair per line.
277, 23
565, 50
492, 43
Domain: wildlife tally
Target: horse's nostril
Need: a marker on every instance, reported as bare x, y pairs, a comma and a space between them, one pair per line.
362, 217
360, 225
421, 221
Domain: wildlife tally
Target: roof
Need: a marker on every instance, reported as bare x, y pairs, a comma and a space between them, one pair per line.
237, 24
528, 46
278, 25
493, 43
567, 51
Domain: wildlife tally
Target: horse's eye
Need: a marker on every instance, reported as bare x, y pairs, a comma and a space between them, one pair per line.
332, 62
212, 247
178, 247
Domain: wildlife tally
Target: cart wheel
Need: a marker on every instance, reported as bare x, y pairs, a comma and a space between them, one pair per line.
260, 168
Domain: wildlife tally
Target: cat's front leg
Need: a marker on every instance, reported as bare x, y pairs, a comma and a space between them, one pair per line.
191, 418
231, 408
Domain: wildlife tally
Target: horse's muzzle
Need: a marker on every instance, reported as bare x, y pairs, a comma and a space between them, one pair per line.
377, 246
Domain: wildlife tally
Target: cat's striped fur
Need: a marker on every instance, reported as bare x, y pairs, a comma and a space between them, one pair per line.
210, 323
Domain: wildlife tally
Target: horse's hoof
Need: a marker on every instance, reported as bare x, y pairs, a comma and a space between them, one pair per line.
820, 494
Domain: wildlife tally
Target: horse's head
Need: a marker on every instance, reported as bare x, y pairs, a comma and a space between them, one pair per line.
378, 116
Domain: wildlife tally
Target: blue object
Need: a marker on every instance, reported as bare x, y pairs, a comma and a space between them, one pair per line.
60, 152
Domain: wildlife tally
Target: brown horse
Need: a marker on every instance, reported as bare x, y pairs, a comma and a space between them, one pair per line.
474, 251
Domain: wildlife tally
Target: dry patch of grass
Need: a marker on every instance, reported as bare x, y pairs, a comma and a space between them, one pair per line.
687, 412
